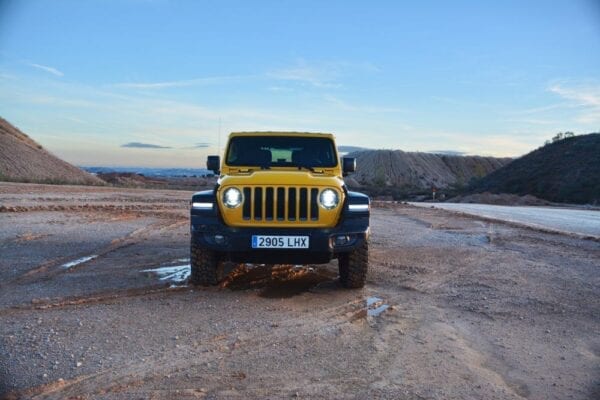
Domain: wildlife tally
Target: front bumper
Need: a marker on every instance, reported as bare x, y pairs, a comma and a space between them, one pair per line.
236, 243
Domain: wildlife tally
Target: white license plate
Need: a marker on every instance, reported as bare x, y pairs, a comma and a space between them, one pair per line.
279, 242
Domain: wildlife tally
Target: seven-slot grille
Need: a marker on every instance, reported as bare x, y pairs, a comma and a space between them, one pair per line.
280, 204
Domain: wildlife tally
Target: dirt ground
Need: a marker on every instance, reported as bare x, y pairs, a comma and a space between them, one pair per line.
94, 304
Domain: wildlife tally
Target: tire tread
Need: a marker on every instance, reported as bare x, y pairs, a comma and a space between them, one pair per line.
353, 267
203, 264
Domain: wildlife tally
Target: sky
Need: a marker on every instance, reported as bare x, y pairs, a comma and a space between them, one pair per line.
153, 83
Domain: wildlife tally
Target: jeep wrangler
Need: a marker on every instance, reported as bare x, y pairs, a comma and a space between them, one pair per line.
280, 199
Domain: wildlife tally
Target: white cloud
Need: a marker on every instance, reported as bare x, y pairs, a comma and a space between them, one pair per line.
215, 80
7, 76
281, 89
345, 106
320, 74
496, 145
104, 117
543, 109
584, 97
534, 121
46, 68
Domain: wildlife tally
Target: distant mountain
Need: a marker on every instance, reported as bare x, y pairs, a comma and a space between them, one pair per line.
415, 170
149, 171
567, 170
349, 149
447, 152
24, 160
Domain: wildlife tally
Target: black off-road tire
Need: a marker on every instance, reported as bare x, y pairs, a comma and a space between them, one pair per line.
353, 267
204, 265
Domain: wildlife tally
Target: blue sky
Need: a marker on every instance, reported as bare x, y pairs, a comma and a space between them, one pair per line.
497, 78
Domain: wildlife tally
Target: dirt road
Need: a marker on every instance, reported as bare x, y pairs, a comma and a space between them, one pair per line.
583, 223
94, 304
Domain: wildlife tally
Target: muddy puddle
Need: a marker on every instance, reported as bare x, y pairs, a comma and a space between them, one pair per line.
278, 281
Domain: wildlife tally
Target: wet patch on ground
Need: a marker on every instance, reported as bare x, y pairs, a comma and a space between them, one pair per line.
81, 260
176, 274
277, 281
375, 306
272, 281
372, 308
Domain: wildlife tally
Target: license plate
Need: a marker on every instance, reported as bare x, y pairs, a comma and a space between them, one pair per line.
279, 242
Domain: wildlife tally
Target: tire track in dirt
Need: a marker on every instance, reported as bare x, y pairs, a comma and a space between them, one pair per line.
463, 359
121, 377
96, 298
50, 269
226, 343
85, 207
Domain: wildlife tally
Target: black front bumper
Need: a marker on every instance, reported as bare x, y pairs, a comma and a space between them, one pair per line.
235, 244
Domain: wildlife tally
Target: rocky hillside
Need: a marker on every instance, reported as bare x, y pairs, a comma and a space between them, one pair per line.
24, 160
567, 170
419, 170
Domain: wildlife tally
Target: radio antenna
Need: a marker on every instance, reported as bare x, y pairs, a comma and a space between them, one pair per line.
219, 139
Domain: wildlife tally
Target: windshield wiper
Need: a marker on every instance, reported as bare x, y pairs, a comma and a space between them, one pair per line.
311, 169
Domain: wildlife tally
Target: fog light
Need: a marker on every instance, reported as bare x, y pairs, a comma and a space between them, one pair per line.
341, 240
219, 239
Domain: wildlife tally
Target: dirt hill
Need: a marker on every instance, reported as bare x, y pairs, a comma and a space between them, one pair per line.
419, 170
564, 171
134, 180
24, 160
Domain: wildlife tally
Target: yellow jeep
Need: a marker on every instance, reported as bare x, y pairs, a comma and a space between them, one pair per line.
280, 199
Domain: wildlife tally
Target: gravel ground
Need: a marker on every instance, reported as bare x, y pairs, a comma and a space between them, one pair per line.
94, 304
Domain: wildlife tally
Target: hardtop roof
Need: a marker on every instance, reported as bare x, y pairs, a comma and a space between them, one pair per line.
282, 133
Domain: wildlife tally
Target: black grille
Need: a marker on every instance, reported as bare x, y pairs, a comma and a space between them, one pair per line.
270, 204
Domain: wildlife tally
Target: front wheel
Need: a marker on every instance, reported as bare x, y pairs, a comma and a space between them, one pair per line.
353, 266
204, 265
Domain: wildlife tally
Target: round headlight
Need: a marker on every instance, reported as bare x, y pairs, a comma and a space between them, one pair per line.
232, 197
329, 198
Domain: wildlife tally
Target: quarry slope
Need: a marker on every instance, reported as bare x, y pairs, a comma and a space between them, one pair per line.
420, 170
24, 160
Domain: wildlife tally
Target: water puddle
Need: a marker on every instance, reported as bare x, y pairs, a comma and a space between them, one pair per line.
81, 260
176, 274
375, 306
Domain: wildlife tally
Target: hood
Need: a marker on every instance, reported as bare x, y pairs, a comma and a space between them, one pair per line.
281, 178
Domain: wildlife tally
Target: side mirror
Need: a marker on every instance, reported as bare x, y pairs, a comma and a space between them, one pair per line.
213, 163
348, 165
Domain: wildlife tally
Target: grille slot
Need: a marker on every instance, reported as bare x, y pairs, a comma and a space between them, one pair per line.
303, 212
314, 206
281, 204
258, 203
269, 204
247, 203
291, 202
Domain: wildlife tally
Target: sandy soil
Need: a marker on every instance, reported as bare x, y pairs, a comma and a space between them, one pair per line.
454, 308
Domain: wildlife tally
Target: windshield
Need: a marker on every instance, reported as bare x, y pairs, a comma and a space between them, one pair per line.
281, 151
